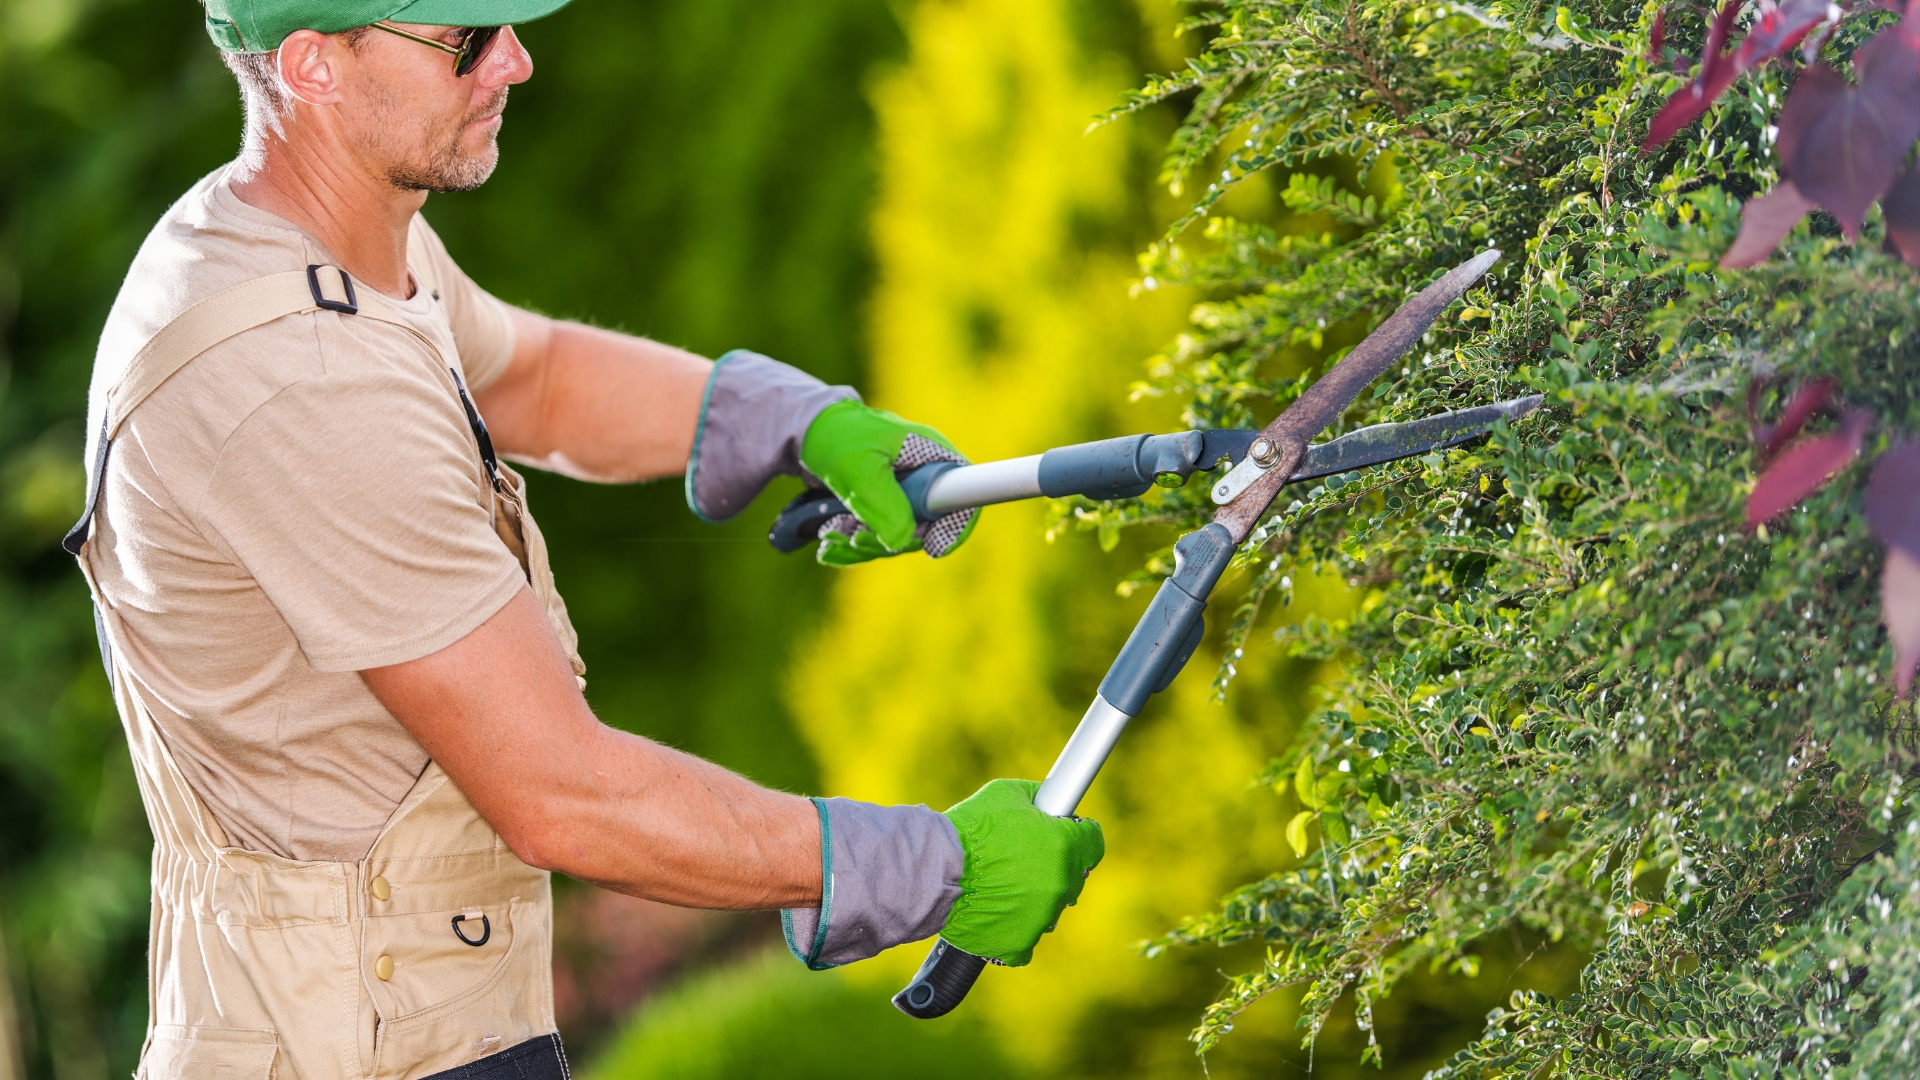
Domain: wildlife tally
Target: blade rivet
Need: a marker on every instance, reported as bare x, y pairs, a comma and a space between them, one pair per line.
1263, 452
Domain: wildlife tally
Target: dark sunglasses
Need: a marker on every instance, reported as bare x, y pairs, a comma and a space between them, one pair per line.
475, 43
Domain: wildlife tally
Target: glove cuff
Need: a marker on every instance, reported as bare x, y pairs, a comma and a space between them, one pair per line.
889, 875
753, 418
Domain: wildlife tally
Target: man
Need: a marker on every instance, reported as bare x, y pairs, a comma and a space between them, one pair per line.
349, 684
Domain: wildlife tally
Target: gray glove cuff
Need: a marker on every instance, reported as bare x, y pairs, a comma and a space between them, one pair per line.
889, 875
753, 418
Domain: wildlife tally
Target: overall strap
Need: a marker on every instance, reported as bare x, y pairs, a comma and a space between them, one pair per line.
213, 320
199, 328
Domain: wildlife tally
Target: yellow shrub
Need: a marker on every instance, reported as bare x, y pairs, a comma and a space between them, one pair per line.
1005, 236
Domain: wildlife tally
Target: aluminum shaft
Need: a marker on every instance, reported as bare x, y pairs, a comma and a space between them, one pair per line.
1079, 762
985, 484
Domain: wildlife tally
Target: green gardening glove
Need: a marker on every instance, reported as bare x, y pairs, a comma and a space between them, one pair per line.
855, 450
1023, 867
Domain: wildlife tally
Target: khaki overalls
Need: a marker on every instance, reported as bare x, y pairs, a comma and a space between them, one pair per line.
433, 952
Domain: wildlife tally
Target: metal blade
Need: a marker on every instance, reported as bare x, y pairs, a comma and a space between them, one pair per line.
1325, 400
1391, 442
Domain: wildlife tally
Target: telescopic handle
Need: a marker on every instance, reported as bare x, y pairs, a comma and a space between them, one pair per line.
1160, 645
1109, 469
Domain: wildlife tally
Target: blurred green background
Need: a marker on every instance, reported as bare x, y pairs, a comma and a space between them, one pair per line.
902, 195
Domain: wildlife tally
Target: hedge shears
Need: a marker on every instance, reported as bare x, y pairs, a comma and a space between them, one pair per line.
1262, 462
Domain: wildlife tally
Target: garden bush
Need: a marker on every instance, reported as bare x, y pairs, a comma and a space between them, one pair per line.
1616, 678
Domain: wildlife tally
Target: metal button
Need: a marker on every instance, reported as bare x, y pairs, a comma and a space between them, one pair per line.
379, 888
383, 967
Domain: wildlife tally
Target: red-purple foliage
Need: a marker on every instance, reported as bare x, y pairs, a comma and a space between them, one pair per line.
1803, 467
1841, 146
1806, 403
1764, 222
1779, 28
1716, 73
1893, 509
1847, 142
1900, 207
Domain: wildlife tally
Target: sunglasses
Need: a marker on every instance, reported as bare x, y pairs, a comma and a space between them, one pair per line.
475, 43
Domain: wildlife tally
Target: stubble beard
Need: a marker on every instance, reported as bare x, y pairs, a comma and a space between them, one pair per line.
441, 163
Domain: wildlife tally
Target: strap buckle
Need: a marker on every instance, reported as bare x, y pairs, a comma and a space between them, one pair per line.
351, 307
486, 930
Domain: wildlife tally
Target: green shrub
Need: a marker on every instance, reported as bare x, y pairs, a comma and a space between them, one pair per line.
1580, 698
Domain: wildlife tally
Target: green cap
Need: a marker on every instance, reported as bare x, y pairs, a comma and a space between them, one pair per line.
261, 25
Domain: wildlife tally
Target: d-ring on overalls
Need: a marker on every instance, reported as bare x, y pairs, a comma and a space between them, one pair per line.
431, 954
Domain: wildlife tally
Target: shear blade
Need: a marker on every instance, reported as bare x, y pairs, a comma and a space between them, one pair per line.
1391, 442
1382, 443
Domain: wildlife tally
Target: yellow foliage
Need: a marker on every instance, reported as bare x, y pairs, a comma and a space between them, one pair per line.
1005, 235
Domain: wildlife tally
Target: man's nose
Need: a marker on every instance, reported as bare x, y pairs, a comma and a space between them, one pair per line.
509, 62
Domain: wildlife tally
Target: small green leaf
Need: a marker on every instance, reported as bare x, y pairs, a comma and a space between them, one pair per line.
1297, 832
1303, 784
1334, 824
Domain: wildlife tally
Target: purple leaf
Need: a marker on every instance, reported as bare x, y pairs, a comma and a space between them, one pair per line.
1846, 164
1815, 93
1657, 40
1807, 401
1893, 497
1901, 205
1691, 100
1804, 466
1764, 222
1847, 144
1778, 29
1889, 70
1893, 509
1900, 611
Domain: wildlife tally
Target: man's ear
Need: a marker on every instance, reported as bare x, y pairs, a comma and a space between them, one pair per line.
311, 66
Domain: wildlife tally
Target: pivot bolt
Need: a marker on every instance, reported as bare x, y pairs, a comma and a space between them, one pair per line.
1263, 452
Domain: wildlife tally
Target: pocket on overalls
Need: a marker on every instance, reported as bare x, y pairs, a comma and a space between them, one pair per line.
208, 1053
446, 1000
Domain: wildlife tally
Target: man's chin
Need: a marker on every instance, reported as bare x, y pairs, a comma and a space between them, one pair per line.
464, 173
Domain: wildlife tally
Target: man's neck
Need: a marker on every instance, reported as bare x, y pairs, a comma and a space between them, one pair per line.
358, 216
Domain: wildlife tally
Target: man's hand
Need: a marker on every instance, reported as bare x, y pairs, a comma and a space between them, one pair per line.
500, 711
1023, 868
855, 450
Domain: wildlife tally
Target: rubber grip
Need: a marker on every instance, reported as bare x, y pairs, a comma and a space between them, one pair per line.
941, 983
799, 522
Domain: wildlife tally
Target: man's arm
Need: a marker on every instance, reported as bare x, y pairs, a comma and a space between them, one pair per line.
598, 405
594, 404
501, 712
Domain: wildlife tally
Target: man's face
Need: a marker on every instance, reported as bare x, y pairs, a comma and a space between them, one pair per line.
413, 119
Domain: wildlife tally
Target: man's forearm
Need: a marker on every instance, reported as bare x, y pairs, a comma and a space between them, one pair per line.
650, 821
595, 404
501, 713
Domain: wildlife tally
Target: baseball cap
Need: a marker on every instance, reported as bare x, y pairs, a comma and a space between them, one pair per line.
261, 25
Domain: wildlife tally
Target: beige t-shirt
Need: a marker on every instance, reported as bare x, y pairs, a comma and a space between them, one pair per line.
301, 502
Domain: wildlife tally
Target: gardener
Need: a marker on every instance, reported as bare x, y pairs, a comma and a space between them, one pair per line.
351, 690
